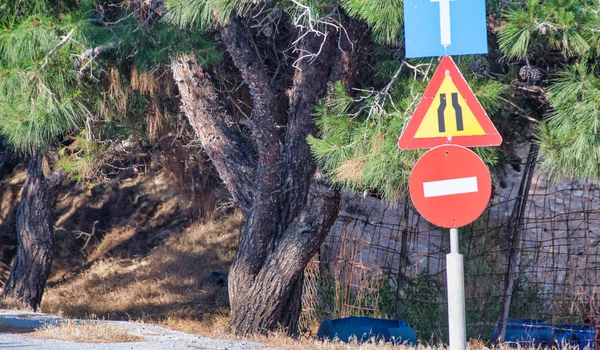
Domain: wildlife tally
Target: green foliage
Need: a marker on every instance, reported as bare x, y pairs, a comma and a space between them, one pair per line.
563, 35
148, 48
526, 300
385, 17
552, 25
13, 11
359, 150
79, 160
37, 108
205, 14
39, 93
166, 41
28, 42
570, 139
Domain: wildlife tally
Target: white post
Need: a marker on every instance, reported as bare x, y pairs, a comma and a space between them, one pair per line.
456, 295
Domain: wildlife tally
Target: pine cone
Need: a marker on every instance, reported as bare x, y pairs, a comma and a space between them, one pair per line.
535, 75
276, 13
524, 73
530, 74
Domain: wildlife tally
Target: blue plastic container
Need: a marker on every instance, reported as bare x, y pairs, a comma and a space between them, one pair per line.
365, 328
570, 334
527, 333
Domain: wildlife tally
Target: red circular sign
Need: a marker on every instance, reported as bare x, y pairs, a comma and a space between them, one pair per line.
450, 186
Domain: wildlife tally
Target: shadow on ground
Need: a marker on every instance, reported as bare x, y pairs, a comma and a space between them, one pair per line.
173, 282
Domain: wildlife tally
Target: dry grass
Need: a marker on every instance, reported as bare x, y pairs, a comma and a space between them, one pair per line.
12, 303
111, 240
86, 332
172, 284
280, 341
212, 325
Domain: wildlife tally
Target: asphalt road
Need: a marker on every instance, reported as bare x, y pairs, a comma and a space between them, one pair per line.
13, 323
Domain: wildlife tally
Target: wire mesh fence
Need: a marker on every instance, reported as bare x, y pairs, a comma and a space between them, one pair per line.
540, 262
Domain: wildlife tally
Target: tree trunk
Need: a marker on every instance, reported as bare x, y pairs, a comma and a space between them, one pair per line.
271, 299
35, 234
288, 206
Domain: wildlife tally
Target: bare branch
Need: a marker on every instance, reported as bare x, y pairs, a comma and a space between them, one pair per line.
329, 22
238, 41
65, 39
88, 236
88, 57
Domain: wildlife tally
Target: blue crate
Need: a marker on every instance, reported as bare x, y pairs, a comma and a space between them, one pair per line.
525, 332
365, 328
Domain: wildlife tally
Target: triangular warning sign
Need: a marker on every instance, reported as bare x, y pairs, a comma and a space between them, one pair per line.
449, 113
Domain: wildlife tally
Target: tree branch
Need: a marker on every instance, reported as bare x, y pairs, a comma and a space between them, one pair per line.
90, 54
238, 43
353, 47
62, 41
309, 85
257, 236
230, 152
338, 60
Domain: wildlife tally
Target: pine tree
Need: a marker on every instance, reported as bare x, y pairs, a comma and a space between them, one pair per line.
79, 74
40, 101
563, 35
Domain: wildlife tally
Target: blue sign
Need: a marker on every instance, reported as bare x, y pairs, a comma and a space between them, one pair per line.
444, 27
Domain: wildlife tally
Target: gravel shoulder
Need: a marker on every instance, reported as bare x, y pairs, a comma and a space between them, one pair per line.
14, 324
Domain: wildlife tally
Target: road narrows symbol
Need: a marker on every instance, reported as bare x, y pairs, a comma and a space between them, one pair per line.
458, 110
440, 111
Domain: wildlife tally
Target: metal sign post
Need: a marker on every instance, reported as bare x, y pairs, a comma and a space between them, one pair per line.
457, 324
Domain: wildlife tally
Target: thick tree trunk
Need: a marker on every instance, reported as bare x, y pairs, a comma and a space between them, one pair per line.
271, 299
287, 204
35, 236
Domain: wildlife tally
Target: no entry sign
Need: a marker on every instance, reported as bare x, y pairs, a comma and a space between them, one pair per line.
450, 186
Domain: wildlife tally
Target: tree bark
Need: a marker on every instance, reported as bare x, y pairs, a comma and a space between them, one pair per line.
222, 140
35, 234
271, 300
288, 206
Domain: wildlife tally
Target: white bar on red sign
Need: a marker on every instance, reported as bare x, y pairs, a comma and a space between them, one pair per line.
450, 187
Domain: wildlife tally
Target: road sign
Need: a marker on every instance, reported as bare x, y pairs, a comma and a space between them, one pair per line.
444, 27
449, 113
450, 186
